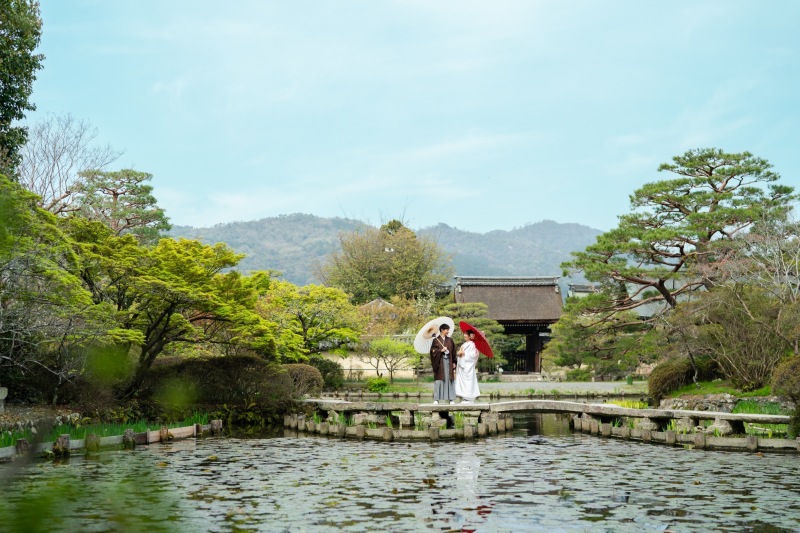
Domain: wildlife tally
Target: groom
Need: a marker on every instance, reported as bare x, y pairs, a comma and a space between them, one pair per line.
443, 361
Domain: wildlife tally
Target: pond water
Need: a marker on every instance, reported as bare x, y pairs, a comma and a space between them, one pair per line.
540, 477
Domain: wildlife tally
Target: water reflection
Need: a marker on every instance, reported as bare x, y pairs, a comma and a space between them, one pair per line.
539, 478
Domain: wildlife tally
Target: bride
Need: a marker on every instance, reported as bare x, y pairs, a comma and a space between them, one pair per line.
466, 378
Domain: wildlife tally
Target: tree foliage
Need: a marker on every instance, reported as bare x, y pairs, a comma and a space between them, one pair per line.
20, 32
310, 319
174, 292
123, 201
393, 354
47, 318
668, 249
384, 262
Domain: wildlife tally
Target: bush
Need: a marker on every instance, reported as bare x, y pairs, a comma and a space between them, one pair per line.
579, 374
378, 384
673, 374
332, 372
307, 379
786, 383
235, 379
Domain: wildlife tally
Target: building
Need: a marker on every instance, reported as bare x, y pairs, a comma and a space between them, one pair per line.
522, 305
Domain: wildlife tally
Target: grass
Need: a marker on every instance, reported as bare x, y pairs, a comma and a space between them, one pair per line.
79, 432
718, 387
630, 404
762, 408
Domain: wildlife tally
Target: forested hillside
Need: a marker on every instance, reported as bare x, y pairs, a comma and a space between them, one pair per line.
294, 243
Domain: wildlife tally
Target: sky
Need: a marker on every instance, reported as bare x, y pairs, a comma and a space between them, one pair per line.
479, 115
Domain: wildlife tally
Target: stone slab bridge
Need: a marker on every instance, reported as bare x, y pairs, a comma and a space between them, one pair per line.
670, 426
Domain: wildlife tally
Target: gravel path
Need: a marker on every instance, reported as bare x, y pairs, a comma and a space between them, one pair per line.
563, 386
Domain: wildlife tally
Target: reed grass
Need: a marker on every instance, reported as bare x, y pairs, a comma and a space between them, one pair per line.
79, 432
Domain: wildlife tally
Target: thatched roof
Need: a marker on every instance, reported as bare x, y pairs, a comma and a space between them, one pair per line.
523, 300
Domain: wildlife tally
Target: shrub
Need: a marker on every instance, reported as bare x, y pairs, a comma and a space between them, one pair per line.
178, 384
378, 384
332, 372
579, 374
786, 383
307, 379
673, 374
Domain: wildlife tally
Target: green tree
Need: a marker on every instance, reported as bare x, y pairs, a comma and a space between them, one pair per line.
123, 201
47, 319
666, 249
733, 326
384, 262
394, 355
173, 292
310, 319
20, 32
612, 345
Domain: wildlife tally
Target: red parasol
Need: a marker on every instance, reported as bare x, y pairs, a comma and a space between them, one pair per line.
480, 341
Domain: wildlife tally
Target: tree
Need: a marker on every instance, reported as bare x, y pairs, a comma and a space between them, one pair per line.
393, 354
396, 317
732, 325
59, 148
173, 292
665, 250
384, 262
310, 319
616, 345
122, 201
20, 32
768, 257
47, 319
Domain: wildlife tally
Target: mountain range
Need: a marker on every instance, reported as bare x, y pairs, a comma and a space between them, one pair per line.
293, 244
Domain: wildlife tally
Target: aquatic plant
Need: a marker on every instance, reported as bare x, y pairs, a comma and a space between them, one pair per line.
389, 421
630, 404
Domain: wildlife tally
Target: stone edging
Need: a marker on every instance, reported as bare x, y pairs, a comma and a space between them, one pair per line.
64, 445
699, 440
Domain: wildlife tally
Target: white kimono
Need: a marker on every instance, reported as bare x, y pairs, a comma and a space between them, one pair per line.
466, 378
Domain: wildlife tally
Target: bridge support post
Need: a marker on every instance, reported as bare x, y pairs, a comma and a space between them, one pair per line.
647, 435
626, 432
594, 426
671, 438
700, 441
686, 425
433, 432
605, 430
469, 431
752, 443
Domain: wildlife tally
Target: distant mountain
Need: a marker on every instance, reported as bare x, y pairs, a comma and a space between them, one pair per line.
294, 243
533, 250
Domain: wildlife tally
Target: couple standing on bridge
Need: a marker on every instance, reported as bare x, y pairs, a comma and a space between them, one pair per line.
454, 371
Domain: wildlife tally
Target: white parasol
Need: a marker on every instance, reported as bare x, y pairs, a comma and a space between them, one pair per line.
424, 339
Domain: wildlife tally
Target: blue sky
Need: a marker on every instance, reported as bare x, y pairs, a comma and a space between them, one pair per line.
480, 115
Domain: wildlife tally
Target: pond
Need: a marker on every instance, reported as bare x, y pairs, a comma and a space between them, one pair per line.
540, 477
